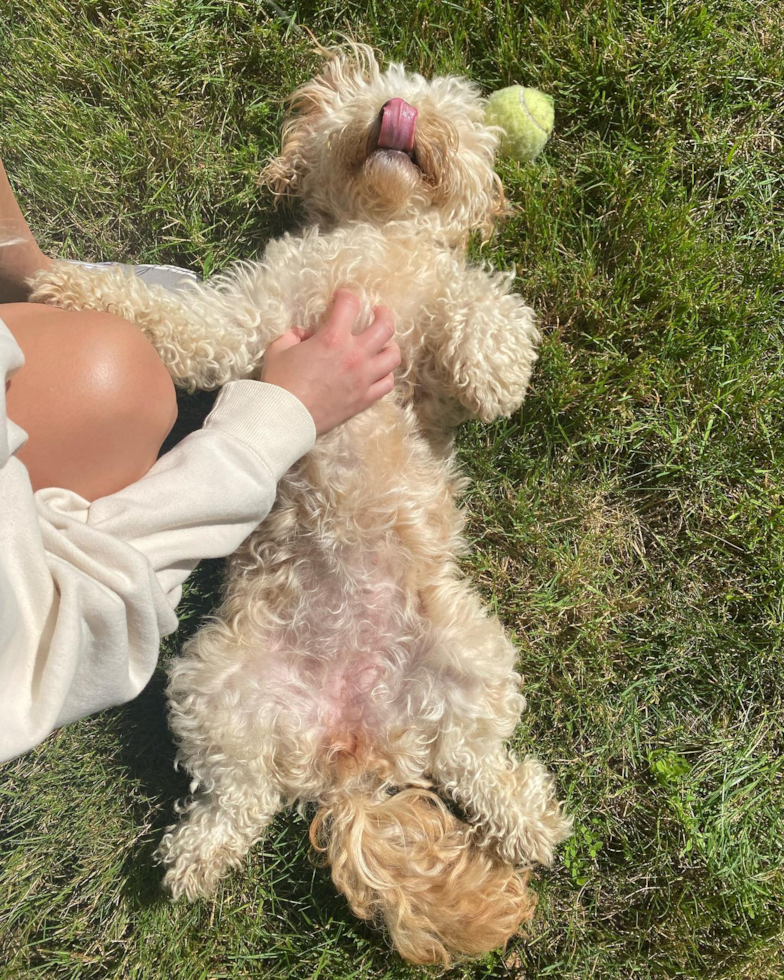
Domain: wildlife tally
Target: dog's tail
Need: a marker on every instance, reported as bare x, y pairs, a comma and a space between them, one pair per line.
404, 860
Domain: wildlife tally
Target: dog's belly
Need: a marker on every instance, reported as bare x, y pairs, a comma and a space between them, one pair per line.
347, 668
347, 661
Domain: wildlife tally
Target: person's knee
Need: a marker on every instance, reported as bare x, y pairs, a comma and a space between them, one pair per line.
126, 383
128, 398
93, 396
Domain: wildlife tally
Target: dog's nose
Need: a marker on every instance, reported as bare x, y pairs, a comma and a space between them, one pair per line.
398, 125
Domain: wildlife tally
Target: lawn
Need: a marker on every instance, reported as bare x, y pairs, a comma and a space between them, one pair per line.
627, 525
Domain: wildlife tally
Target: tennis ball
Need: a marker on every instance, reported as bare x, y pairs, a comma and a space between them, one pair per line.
526, 116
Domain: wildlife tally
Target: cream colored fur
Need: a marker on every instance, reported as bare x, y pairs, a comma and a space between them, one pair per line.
351, 664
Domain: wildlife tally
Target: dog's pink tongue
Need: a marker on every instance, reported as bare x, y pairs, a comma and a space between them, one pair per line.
398, 122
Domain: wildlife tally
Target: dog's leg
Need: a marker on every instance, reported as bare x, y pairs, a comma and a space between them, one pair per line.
219, 714
511, 802
200, 334
480, 347
215, 834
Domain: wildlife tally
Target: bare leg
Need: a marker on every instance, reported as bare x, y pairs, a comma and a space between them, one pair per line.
93, 398
22, 259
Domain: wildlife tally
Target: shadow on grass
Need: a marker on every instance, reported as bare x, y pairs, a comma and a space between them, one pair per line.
147, 750
147, 754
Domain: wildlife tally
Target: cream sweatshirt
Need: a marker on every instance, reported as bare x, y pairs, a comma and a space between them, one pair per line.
87, 590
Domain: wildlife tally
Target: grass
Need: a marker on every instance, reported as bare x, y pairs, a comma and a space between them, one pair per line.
627, 524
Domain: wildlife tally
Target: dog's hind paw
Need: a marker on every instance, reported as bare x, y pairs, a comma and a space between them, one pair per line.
532, 838
193, 879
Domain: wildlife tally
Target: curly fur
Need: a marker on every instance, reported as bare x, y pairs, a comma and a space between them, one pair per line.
351, 665
404, 860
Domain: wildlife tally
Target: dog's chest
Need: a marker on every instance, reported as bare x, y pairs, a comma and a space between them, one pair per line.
403, 272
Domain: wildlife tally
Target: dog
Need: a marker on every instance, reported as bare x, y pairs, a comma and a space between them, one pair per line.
351, 665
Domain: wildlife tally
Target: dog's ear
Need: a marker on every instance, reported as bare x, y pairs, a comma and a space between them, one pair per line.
495, 210
284, 172
346, 70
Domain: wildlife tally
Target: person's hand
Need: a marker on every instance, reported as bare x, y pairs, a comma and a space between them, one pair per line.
335, 373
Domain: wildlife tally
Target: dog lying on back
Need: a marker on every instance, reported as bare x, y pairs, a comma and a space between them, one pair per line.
351, 665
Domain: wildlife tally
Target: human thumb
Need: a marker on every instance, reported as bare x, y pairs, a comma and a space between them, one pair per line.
286, 340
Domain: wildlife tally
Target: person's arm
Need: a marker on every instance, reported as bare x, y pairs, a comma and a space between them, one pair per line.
87, 590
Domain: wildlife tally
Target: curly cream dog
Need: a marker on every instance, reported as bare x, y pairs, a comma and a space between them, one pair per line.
351, 665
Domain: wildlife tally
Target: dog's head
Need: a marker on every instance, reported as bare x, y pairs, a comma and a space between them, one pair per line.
361, 144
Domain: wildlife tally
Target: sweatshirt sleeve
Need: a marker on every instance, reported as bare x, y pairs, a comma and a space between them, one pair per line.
87, 590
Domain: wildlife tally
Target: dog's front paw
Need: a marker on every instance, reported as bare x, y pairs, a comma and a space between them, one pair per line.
191, 881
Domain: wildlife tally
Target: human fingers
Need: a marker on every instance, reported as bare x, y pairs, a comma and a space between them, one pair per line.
338, 321
386, 361
380, 388
380, 331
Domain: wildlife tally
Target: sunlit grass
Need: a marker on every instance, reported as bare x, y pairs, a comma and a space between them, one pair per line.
627, 524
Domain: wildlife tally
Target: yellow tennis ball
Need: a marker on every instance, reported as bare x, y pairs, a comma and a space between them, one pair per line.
526, 115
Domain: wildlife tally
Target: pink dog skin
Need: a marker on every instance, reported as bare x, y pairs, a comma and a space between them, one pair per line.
398, 123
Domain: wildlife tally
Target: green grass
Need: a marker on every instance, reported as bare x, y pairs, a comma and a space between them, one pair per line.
627, 524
